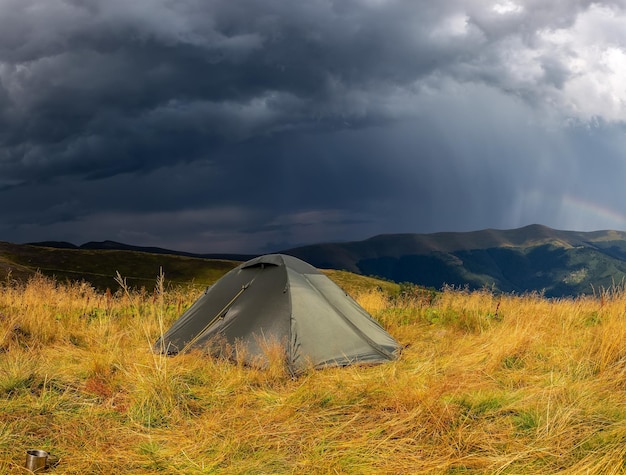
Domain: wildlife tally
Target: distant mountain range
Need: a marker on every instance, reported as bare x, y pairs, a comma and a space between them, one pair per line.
532, 258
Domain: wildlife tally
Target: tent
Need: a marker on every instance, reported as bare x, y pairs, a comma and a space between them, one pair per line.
281, 299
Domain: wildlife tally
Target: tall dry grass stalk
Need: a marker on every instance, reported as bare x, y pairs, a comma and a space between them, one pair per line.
486, 383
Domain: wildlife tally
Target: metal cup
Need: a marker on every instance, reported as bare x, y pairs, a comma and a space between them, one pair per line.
38, 460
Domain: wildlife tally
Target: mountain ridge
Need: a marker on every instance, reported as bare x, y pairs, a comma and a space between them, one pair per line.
526, 259
530, 258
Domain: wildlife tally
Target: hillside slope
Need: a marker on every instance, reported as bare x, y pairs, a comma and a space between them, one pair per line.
139, 268
100, 267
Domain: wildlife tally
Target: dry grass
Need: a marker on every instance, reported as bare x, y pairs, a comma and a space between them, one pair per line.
486, 384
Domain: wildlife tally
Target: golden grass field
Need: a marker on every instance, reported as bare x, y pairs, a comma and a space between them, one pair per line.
486, 384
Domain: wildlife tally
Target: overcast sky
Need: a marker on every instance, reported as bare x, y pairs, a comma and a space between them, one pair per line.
258, 125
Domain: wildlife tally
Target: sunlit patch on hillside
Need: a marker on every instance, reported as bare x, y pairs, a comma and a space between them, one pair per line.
576, 277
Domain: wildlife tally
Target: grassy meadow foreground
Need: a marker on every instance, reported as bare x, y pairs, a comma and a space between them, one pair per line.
485, 384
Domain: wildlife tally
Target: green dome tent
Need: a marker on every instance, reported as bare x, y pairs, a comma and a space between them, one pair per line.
279, 298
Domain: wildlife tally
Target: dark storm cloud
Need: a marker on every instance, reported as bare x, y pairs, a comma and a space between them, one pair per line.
253, 121
98, 88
